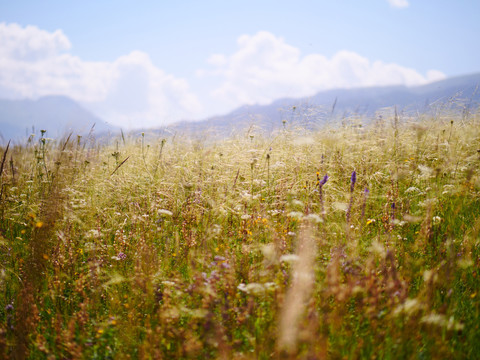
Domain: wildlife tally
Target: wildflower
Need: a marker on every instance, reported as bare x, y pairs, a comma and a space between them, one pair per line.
297, 203
409, 307
120, 256
38, 224
314, 218
353, 180
412, 189
270, 285
164, 212
242, 287
252, 288
296, 215
441, 321
323, 181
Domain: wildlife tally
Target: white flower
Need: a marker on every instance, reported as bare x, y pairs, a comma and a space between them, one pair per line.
412, 189
164, 212
296, 214
425, 171
441, 321
409, 307
314, 218
297, 203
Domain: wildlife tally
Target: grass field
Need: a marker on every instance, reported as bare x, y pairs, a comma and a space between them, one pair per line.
343, 243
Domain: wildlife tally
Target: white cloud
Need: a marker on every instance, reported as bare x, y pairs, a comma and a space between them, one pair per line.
30, 43
130, 91
265, 68
399, 3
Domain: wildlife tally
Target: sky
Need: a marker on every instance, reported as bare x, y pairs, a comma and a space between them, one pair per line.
150, 63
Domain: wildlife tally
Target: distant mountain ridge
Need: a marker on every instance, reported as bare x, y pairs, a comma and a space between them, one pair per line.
60, 115
333, 104
57, 114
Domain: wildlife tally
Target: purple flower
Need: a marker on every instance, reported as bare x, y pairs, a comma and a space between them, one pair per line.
122, 256
353, 180
323, 181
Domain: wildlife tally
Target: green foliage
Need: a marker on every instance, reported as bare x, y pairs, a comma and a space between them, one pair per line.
191, 248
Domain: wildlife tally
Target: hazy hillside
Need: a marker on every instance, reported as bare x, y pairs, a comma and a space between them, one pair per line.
56, 114
331, 105
60, 114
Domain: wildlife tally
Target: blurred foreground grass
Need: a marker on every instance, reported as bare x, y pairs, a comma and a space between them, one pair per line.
346, 242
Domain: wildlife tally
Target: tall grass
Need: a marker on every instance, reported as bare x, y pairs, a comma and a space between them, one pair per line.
181, 247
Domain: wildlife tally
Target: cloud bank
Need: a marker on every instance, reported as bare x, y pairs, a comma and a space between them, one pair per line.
130, 91
265, 68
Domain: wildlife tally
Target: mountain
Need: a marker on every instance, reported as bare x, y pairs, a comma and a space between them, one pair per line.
58, 115
331, 105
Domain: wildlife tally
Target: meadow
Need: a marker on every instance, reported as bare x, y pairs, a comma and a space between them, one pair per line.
348, 241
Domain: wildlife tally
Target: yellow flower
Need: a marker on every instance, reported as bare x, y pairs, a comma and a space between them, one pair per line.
38, 224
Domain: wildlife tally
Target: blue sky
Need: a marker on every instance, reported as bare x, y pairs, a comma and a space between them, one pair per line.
149, 63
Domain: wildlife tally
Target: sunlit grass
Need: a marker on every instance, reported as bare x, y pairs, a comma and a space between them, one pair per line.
247, 247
